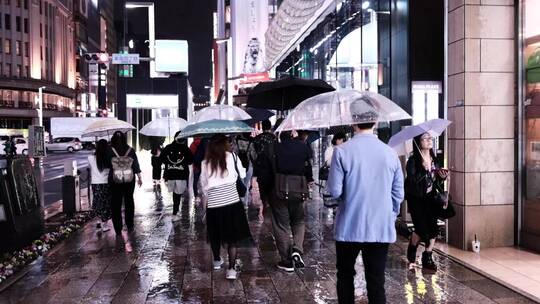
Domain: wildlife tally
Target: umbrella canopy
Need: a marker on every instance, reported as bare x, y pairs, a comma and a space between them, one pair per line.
400, 141
342, 108
215, 126
164, 127
106, 127
258, 115
220, 112
285, 93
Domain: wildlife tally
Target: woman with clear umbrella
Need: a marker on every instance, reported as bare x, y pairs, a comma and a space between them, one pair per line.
423, 184
424, 179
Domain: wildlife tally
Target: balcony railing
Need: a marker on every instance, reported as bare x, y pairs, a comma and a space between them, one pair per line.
7, 103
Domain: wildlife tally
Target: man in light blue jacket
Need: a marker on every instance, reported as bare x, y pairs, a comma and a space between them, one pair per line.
366, 176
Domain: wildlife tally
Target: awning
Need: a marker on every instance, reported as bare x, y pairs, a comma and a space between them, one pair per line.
293, 21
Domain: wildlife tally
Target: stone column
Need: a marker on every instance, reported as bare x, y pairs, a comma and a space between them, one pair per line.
482, 105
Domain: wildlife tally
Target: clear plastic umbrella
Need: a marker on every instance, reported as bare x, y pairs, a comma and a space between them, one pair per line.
164, 127
106, 127
221, 112
215, 126
342, 108
401, 140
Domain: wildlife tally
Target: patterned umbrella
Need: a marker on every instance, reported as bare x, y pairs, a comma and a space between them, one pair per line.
215, 126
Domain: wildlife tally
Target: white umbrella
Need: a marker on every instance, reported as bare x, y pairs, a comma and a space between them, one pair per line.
342, 108
220, 112
402, 141
164, 127
106, 127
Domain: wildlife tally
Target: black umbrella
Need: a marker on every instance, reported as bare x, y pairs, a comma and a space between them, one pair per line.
258, 115
285, 93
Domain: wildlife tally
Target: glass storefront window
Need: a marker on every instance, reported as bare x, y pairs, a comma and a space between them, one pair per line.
530, 230
349, 49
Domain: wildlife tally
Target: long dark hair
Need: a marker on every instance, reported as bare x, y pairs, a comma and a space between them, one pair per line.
417, 154
119, 142
101, 154
216, 154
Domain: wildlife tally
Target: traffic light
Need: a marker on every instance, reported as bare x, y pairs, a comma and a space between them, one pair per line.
96, 58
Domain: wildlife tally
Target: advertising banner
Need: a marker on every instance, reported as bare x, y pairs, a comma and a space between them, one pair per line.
249, 22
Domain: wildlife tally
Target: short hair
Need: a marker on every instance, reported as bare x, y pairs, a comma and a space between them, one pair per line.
338, 136
266, 125
366, 125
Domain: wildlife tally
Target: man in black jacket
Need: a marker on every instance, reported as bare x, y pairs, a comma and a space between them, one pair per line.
177, 157
262, 158
292, 157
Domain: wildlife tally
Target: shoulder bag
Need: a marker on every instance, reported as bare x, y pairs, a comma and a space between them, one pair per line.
240, 187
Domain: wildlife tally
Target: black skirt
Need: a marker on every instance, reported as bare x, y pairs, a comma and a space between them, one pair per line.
227, 224
424, 218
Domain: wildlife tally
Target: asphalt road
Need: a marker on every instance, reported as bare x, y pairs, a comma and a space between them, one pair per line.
53, 168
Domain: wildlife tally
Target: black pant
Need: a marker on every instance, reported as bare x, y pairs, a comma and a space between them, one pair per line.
177, 198
122, 193
196, 177
374, 257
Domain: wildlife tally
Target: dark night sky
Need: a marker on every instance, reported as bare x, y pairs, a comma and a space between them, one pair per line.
189, 20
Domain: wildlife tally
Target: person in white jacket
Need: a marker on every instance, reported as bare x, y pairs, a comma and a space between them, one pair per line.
337, 140
225, 216
101, 192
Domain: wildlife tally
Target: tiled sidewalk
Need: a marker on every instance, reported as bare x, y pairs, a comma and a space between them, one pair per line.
516, 268
166, 262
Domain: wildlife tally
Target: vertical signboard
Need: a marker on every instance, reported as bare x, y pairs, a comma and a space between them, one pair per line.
36, 139
248, 26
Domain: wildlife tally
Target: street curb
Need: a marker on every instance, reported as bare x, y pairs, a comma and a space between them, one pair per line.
487, 275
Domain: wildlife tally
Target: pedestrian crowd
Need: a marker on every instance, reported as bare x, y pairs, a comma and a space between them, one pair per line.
274, 174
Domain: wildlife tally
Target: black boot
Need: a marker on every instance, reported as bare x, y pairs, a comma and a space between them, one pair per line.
411, 253
427, 261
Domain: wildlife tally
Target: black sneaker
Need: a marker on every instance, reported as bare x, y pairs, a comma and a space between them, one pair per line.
285, 266
427, 261
297, 260
411, 253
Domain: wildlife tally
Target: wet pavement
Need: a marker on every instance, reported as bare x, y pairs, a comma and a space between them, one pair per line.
165, 262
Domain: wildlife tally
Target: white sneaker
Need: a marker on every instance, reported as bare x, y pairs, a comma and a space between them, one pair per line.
175, 218
217, 264
232, 274
238, 264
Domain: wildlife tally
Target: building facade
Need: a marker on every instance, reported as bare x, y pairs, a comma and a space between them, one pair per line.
478, 67
36, 51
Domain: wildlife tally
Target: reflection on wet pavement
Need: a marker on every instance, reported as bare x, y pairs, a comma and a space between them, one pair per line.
165, 262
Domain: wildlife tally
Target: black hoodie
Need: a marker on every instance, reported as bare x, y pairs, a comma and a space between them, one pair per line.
176, 157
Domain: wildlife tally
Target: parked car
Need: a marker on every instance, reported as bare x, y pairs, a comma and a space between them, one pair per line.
70, 144
21, 145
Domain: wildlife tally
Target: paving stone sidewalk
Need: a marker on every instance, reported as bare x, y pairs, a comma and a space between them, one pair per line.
165, 262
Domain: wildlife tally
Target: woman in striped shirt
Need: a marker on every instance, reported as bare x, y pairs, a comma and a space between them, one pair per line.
225, 216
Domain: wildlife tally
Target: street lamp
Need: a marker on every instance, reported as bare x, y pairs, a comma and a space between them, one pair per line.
40, 105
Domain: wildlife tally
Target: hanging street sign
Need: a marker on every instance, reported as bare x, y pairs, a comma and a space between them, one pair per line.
125, 58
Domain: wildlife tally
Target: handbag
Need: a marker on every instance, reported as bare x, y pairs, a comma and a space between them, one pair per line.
324, 171
444, 208
240, 187
291, 187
